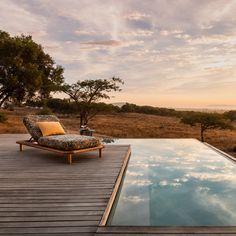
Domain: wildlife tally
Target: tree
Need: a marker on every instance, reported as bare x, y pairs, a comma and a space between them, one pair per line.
231, 115
26, 70
160, 111
88, 92
206, 121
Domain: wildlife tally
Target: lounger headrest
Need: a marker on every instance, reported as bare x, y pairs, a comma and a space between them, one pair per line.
30, 123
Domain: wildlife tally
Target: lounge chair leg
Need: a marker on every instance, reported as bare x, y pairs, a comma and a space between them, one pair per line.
21, 147
100, 152
69, 158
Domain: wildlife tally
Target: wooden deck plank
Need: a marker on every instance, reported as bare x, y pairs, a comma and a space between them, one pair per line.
52, 213
49, 218
42, 230
41, 195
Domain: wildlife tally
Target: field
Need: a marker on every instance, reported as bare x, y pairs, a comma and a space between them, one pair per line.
131, 125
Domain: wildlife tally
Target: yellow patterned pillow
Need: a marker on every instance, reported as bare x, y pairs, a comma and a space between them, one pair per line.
50, 128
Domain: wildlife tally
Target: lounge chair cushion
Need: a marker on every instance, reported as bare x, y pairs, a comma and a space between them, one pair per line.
50, 128
30, 123
69, 142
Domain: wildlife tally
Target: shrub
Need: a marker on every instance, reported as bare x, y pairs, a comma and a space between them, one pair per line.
231, 115
160, 111
3, 118
62, 106
45, 111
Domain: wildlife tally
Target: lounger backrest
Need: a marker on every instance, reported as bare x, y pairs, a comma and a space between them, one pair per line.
30, 123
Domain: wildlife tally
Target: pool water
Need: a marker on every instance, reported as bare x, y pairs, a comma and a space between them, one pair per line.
175, 182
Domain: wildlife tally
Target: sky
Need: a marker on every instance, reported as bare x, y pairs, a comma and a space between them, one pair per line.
170, 53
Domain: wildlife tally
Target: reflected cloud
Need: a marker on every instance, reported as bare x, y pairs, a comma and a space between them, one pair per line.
130, 173
139, 183
164, 183
133, 199
225, 209
191, 185
214, 177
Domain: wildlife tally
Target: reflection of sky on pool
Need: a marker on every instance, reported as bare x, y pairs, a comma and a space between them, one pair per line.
176, 182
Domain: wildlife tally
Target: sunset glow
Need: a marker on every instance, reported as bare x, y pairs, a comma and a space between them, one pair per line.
169, 53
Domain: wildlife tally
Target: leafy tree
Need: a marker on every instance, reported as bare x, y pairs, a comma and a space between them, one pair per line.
26, 70
62, 105
127, 107
87, 93
45, 111
231, 115
206, 121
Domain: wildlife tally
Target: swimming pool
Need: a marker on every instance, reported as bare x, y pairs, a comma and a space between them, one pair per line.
175, 182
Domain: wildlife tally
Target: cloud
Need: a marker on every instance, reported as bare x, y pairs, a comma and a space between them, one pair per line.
137, 33
22, 21
85, 32
171, 32
108, 43
212, 40
167, 52
136, 15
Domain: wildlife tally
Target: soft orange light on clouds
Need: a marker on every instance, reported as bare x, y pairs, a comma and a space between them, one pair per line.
169, 53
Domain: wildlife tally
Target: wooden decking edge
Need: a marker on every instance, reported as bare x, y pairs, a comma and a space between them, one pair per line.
115, 189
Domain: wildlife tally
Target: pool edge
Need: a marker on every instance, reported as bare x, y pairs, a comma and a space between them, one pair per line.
115, 189
226, 155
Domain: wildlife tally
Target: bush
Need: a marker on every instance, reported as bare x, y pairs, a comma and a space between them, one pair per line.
160, 111
231, 115
3, 118
45, 111
63, 106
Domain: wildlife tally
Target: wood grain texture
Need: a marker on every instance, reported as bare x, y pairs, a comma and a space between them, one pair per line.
41, 195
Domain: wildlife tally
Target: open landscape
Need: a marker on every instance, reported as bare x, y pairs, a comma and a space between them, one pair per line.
117, 117
129, 125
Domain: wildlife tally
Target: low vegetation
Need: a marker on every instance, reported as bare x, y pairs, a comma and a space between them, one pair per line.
130, 125
206, 121
3, 118
128, 107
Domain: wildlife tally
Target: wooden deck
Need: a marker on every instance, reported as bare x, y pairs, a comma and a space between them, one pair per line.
40, 194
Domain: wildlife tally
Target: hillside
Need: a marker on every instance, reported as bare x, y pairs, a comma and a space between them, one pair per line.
131, 125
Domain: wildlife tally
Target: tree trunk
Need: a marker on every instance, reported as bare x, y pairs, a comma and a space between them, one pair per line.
202, 133
81, 120
86, 120
2, 95
4, 99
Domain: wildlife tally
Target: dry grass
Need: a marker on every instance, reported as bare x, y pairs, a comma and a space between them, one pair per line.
131, 125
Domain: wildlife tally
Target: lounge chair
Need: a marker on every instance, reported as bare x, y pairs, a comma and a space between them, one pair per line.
66, 144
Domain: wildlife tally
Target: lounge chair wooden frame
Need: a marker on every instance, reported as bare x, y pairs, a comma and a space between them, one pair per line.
69, 154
